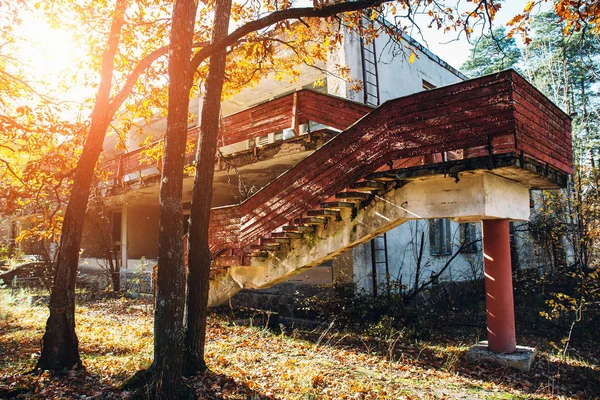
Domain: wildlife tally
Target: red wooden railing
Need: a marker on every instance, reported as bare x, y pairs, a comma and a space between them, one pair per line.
288, 111
496, 114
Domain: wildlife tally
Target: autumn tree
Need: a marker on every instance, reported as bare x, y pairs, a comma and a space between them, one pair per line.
60, 345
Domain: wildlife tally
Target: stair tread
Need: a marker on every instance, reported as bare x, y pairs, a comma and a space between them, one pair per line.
367, 186
310, 221
289, 235
323, 213
338, 204
299, 229
353, 195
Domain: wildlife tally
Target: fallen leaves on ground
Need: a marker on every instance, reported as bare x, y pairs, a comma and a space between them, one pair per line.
253, 362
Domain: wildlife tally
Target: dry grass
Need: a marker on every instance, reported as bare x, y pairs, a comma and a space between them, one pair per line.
252, 362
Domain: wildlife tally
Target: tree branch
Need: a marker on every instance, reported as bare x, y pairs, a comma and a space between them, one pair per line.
278, 16
435, 276
144, 63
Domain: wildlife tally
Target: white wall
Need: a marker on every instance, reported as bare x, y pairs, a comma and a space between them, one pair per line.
397, 76
403, 245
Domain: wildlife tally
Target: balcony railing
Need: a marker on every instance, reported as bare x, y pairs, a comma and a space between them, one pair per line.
289, 111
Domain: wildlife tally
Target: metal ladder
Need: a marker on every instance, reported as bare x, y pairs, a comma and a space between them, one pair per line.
379, 258
369, 68
379, 253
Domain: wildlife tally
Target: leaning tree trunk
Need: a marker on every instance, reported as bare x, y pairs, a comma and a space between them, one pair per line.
60, 349
167, 381
199, 255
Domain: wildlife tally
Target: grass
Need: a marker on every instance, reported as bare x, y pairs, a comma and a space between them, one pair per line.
253, 362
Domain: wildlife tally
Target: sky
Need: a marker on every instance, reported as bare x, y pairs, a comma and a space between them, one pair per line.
51, 56
456, 52
55, 53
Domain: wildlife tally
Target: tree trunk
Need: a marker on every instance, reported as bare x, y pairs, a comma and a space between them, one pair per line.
170, 296
199, 255
60, 349
116, 280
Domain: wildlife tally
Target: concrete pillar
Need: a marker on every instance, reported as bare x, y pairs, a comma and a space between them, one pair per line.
124, 236
498, 286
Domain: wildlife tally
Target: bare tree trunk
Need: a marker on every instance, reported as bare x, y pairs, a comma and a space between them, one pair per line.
12, 244
170, 296
60, 349
199, 255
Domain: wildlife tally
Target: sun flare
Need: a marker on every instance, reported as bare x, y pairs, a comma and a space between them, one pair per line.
53, 58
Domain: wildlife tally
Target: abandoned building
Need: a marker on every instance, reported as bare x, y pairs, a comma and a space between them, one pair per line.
316, 184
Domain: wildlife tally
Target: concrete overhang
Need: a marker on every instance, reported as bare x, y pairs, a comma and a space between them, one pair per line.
235, 173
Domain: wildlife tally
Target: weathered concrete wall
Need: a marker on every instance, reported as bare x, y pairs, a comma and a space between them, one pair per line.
397, 76
490, 196
319, 275
403, 249
342, 268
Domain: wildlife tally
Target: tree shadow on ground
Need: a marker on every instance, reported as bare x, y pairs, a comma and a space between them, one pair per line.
46, 385
548, 376
211, 385
79, 383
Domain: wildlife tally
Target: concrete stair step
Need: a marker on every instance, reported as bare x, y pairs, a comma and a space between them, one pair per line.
337, 205
289, 235
368, 186
324, 213
353, 195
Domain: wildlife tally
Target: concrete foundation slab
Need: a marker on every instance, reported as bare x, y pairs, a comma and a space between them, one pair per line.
522, 359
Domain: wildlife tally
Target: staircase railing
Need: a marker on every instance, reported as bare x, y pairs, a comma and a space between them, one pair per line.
492, 114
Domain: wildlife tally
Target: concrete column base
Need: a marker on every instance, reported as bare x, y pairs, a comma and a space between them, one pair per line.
522, 359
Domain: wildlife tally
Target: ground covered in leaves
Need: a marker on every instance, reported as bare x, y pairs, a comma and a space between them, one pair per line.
255, 362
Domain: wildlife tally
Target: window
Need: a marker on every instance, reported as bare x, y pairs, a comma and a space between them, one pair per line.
428, 85
440, 243
468, 236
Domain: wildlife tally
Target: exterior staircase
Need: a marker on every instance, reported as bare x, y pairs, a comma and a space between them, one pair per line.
469, 151
506, 137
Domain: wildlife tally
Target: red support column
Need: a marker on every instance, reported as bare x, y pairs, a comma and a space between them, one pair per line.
498, 286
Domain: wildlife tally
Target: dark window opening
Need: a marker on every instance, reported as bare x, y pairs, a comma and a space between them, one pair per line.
440, 243
468, 236
428, 85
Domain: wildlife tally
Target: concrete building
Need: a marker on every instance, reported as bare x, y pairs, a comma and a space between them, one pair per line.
315, 185
384, 67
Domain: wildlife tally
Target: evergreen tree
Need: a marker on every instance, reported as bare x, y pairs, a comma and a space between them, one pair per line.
492, 53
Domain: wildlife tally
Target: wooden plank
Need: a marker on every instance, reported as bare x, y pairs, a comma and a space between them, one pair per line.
309, 185
527, 133
529, 111
463, 116
536, 97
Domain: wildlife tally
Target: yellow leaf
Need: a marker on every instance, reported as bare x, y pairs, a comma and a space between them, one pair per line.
529, 6
412, 57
